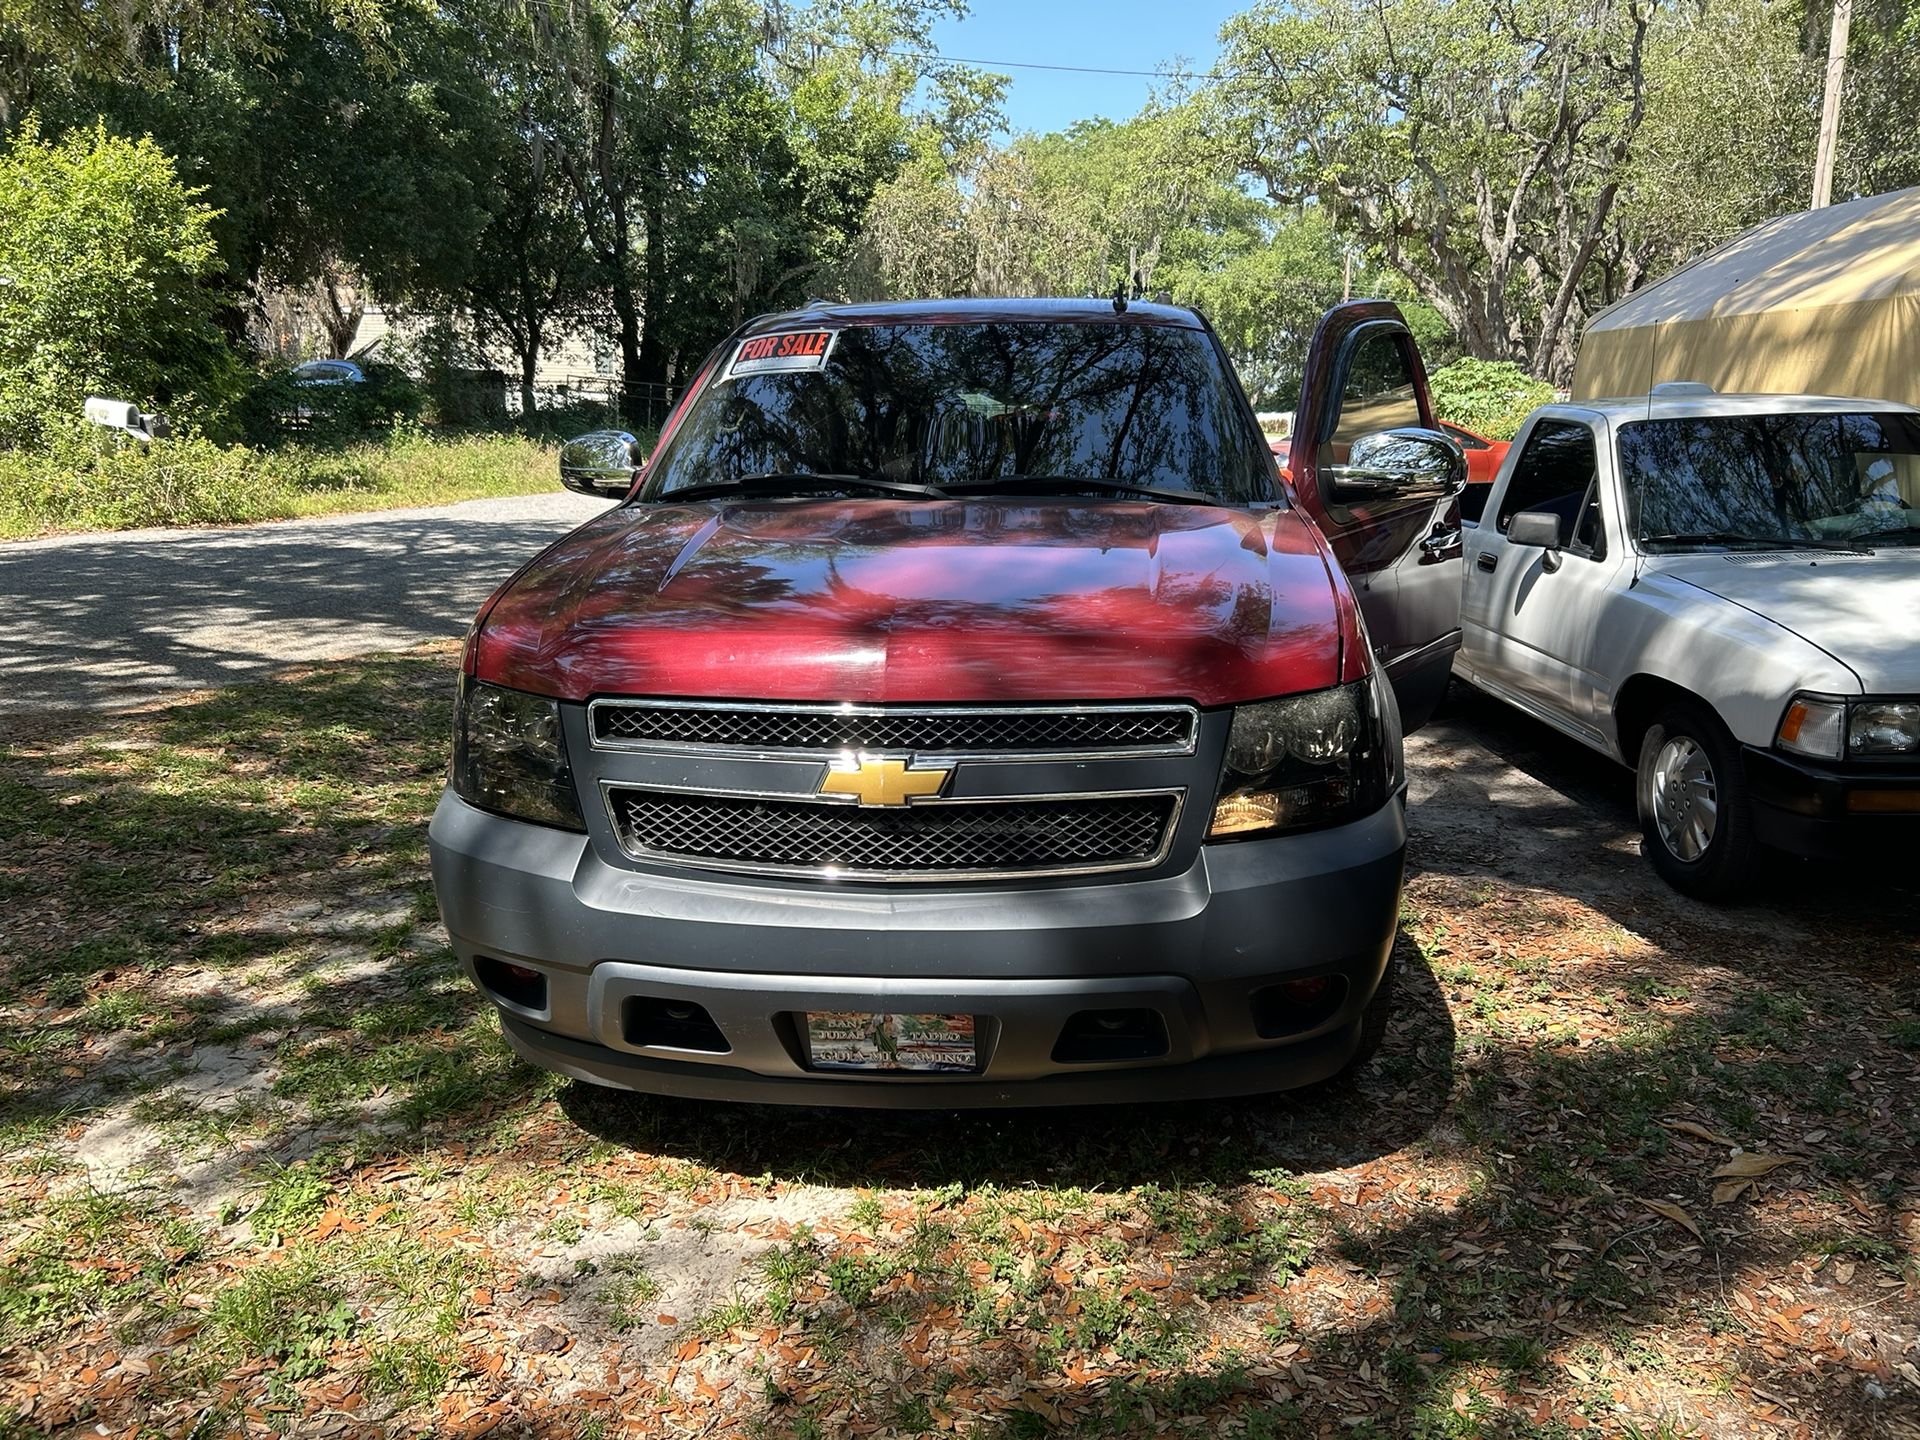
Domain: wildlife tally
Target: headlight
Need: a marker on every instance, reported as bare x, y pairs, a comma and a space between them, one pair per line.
1828, 728
509, 755
1883, 727
1308, 760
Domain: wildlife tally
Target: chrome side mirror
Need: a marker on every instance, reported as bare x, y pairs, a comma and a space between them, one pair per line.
1390, 461
603, 463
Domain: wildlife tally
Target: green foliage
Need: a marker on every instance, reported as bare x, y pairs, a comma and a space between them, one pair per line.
290, 1312
276, 409
95, 481
1489, 397
106, 261
289, 1203
355, 152
1153, 200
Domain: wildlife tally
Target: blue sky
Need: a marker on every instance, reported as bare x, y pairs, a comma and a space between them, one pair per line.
1122, 34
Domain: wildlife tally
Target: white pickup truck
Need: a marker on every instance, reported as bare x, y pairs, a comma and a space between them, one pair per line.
1722, 592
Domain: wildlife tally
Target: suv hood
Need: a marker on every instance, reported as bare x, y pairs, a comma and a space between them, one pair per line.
957, 600
1857, 608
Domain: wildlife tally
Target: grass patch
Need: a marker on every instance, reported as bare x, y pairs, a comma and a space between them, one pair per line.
629, 1293
290, 1202
290, 1312
99, 486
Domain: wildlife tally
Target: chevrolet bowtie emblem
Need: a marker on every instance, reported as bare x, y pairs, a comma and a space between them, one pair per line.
883, 782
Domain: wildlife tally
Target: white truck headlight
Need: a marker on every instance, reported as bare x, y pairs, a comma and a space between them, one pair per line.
1829, 728
510, 755
1307, 760
1883, 727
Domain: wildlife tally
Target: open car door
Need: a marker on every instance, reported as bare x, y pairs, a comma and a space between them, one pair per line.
1369, 462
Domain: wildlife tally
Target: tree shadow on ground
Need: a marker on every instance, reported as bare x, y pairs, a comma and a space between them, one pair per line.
1556, 1284
113, 620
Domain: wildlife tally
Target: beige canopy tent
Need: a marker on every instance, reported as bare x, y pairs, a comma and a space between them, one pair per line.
1826, 302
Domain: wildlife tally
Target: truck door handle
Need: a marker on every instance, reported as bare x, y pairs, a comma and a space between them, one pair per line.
1440, 540
1486, 561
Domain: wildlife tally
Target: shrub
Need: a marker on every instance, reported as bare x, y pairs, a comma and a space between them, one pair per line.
95, 480
276, 409
98, 481
1491, 397
106, 261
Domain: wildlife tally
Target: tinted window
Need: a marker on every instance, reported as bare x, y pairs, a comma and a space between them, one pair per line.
1554, 472
1377, 392
1772, 476
970, 403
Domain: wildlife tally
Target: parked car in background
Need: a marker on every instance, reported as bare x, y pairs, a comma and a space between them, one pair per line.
957, 711
1484, 457
1721, 592
328, 372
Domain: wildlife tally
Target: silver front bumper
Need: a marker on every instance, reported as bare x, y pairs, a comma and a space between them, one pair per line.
1193, 947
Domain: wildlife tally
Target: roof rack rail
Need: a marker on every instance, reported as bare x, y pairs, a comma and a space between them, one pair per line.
1680, 389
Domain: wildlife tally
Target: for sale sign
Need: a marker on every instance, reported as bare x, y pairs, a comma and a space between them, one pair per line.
787, 351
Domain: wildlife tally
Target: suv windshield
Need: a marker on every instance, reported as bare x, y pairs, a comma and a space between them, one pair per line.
975, 405
1720, 479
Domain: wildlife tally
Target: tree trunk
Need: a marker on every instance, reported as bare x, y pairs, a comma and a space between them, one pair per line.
529, 366
339, 317
652, 359
626, 309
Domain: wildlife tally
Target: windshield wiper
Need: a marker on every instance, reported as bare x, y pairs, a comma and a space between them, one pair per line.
1099, 484
782, 482
1764, 542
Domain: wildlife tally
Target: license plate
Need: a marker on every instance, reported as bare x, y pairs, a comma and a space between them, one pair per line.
863, 1040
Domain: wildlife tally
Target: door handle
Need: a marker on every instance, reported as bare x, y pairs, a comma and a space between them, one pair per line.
1487, 562
1440, 540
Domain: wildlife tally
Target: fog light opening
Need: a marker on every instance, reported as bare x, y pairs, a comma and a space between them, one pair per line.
1106, 1037
673, 1024
1296, 1006
517, 985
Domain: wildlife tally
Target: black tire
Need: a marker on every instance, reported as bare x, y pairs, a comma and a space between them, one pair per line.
1696, 812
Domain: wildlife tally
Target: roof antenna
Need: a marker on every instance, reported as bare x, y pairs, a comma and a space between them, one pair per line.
1120, 298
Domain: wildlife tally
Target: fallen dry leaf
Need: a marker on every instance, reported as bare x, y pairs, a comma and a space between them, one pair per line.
1753, 1164
1700, 1132
1674, 1213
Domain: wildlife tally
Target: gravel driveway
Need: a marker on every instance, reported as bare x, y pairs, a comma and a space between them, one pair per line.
105, 621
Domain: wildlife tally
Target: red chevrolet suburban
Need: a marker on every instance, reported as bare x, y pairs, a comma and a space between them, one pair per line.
963, 708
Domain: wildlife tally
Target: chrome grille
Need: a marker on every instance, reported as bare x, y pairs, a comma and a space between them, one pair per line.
1090, 731
1077, 834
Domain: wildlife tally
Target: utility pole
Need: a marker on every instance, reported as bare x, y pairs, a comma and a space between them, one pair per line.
1830, 105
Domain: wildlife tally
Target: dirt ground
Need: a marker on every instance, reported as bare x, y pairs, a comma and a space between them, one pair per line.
1627, 1164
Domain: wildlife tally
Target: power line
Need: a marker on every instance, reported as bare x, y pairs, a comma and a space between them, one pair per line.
1037, 65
